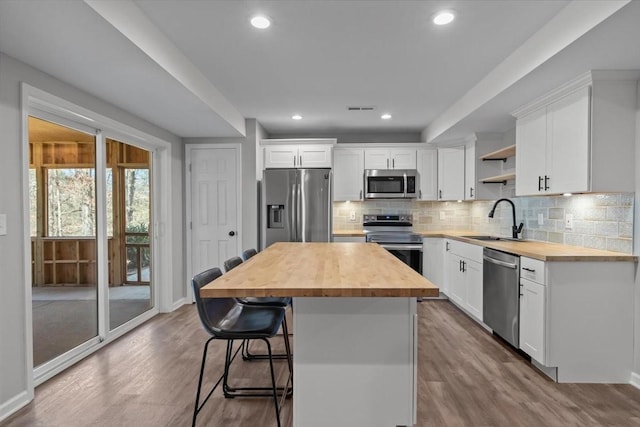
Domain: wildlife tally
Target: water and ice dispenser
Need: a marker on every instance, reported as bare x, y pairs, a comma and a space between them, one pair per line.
276, 216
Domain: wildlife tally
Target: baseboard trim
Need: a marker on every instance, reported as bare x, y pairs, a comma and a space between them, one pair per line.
635, 380
176, 305
14, 404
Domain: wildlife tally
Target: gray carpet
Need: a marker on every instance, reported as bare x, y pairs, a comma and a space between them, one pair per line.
60, 325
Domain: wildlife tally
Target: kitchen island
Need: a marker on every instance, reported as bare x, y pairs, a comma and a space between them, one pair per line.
355, 320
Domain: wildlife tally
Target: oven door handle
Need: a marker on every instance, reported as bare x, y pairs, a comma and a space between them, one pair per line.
400, 247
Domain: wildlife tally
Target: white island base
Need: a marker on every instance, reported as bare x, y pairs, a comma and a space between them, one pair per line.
355, 362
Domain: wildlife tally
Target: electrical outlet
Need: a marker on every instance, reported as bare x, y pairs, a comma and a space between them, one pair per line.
568, 221
352, 216
3, 224
540, 219
441, 214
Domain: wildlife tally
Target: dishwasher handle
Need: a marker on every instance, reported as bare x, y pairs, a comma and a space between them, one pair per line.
501, 263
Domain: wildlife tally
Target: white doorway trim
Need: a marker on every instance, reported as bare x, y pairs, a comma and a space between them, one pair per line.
188, 157
34, 99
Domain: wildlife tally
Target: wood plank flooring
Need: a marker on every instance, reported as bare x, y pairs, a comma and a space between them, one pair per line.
466, 378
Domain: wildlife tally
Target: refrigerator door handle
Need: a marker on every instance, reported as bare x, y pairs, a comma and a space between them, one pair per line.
292, 213
302, 213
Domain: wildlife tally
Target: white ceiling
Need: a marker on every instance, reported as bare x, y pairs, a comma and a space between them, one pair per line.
317, 58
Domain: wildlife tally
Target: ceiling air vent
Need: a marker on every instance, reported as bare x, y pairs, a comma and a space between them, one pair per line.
361, 108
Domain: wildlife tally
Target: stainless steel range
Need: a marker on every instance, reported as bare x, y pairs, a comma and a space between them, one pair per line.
395, 234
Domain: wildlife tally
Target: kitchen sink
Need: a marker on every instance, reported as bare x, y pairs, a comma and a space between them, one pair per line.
494, 238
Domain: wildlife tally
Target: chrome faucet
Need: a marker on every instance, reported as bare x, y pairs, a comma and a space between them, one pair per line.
515, 230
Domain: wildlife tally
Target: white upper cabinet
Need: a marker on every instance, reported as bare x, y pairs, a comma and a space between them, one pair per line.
315, 156
552, 154
428, 170
470, 182
578, 138
451, 173
389, 158
348, 173
280, 156
531, 140
298, 153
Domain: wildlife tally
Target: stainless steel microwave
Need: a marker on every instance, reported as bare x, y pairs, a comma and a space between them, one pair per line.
391, 183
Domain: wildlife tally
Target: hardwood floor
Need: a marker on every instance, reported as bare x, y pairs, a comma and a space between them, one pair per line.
466, 378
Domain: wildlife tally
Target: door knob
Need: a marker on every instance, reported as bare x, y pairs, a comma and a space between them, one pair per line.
232, 233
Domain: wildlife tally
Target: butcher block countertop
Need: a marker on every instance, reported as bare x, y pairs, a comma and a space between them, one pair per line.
543, 251
321, 270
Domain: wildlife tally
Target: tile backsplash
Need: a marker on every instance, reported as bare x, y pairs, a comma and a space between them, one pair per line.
600, 221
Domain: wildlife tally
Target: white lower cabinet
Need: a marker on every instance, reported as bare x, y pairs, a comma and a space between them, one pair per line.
463, 276
456, 283
532, 319
433, 262
473, 283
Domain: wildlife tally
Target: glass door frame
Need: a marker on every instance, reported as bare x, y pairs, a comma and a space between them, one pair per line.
45, 106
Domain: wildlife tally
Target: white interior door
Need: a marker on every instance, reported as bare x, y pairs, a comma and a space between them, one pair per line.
214, 205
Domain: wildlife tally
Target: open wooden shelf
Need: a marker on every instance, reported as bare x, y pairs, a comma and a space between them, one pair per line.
499, 179
501, 154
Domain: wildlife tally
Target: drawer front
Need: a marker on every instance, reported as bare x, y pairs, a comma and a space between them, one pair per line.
532, 269
465, 250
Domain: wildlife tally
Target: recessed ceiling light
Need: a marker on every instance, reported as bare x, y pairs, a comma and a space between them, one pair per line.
296, 117
385, 116
444, 17
261, 22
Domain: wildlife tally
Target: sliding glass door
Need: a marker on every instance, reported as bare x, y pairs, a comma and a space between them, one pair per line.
63, 238
78, 297
130, 290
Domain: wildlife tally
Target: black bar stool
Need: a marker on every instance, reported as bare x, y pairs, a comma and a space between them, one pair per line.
227, 319
229, 265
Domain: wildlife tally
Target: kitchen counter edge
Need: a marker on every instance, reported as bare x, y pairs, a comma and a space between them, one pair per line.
543, 251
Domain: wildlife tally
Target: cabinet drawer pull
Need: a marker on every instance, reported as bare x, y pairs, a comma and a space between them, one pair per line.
529, 269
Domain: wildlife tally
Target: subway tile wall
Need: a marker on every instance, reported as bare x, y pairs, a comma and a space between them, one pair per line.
600, 221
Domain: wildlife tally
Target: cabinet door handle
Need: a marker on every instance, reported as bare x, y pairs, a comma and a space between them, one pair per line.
360, 195
539, 183
419, 194
300, 160
546, 183
294, 160
529, 269
387, 163
439, 194
460, 265
464, 266
393, 163
520, 292
470, 191
447, 246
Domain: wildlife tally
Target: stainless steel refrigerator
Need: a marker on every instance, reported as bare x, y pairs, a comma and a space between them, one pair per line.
296, 206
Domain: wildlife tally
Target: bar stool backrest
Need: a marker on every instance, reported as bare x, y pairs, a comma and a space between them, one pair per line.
232, 263
249, 253
211, 310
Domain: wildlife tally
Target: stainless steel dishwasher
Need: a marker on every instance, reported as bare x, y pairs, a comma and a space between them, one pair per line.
501, 294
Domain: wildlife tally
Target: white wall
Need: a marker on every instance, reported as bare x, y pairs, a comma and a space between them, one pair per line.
249, 238
13, 369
